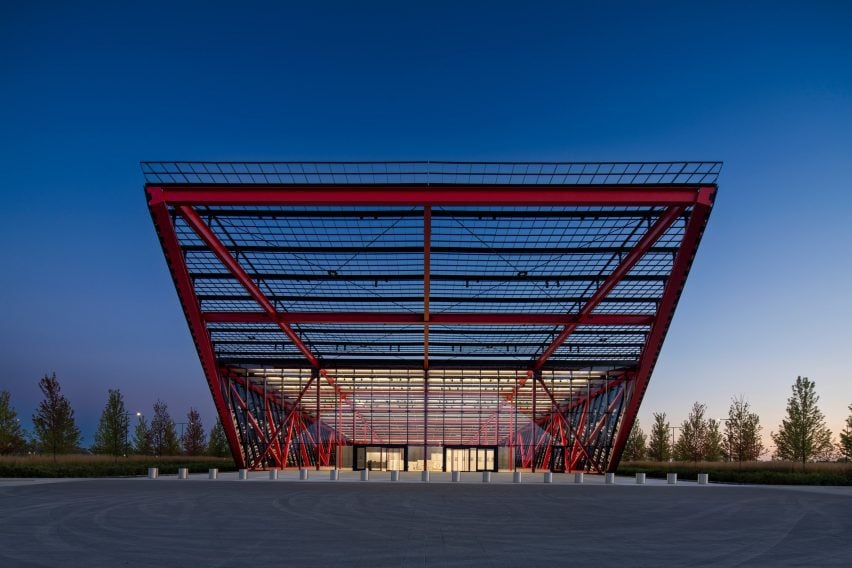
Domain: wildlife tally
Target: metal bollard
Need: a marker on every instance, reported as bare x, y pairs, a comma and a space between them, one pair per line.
703, 478
213, 473
153, 473
486, 477
243, 474
394, 475
578, 477
640, 479
609, 479
456, 476
424, 476
365, 475
273, 474
334, 474
548, 477
671, 478
183, 473
303, 474
516, 477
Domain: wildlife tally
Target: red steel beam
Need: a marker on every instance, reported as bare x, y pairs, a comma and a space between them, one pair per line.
222, 253
671, 294
462, 195
427, 267
434, 319
627, 263
191, 308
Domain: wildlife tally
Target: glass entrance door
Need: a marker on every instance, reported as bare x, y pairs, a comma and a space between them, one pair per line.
471, 459
380, 458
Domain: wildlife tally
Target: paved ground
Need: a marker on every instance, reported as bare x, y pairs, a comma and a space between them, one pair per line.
167, 522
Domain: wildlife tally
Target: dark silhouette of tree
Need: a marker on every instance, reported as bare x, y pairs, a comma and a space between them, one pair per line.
803, 435
164, 440
218, 444
636, 447
111, 435
700, 438
659, 448
742, 440
194, 440
142, 438
12, 439
846, 437
55, 429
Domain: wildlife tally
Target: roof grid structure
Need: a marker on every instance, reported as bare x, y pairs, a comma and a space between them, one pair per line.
432, 172
522, 260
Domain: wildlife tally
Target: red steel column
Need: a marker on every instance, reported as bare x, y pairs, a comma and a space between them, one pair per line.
671, 294
192, 309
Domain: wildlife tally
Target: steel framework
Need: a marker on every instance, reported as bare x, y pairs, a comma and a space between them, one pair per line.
508, 314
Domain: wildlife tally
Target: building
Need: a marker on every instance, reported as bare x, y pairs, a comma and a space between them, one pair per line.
411, 315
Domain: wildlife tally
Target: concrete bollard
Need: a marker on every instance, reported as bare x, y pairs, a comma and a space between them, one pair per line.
243, 474
183, 473
703, 478
486, 477
578, 477
213, 473
394, 475
640, 479
334, 474
424, 476
303, 474
516, 477
671, 478
365, 475
273, 474
153, 473
609, 479
456, 476
548, 477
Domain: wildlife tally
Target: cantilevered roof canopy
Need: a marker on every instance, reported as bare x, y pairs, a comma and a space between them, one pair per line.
430, 265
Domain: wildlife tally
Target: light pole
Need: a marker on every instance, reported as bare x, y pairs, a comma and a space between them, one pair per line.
127, 428
727, 442
673, 428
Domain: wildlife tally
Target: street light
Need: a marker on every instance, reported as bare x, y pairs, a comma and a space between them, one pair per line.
127, 428
673, 428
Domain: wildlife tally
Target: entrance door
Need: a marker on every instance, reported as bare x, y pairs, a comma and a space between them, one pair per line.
471, 459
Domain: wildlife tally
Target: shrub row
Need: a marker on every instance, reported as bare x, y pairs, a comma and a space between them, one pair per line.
751, 475
107, 469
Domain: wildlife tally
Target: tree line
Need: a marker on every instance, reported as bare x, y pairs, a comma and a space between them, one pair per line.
802, 435
55, 430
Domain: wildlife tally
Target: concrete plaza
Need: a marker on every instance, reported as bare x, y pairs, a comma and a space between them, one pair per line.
198, 522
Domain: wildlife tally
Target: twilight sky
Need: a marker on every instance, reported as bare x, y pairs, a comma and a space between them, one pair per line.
87, 91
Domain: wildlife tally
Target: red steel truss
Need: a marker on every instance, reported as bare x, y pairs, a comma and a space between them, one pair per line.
429, 315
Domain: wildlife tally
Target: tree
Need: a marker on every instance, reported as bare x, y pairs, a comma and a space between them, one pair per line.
742, 440
803, 435
142, 438
111, 435
218, 444
55, 429
692, 441
846, 437
635, 449
12, 440
164, 440
659, 448
713, 442
193, 440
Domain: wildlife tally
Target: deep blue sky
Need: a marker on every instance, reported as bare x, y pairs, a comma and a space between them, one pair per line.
89, 90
